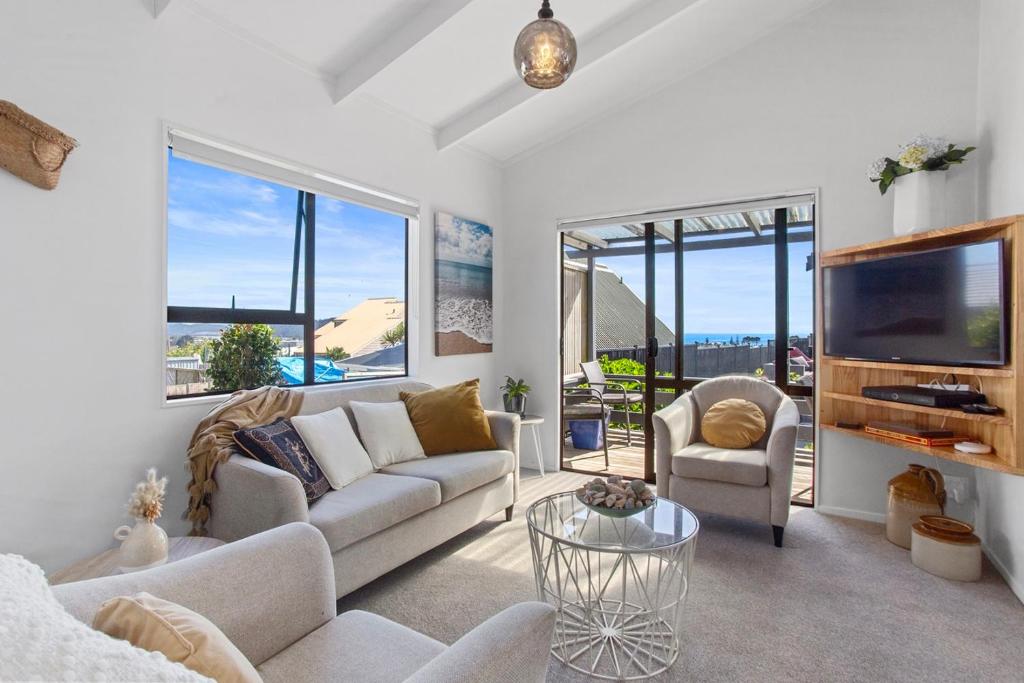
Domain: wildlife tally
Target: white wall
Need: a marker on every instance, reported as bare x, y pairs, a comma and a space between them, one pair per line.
807, 106
80, 267
1001, 193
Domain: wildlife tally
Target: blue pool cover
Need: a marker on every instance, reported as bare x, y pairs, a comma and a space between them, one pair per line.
324, 369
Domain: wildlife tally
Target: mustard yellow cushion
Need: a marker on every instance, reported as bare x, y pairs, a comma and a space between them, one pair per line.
450, 419
733, 423
179, 633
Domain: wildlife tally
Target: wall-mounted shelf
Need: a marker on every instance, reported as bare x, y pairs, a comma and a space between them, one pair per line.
840, 380
911, 408
991, 462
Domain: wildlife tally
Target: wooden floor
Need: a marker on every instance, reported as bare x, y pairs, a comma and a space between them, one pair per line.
628, 460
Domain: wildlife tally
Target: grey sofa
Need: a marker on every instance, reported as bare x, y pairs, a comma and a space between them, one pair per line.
386, 518
754, 483
273, 596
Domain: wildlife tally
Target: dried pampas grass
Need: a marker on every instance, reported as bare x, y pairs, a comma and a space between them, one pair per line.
147, 502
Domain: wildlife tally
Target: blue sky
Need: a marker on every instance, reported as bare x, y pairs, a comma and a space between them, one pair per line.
229, 234
463, 241
726, 291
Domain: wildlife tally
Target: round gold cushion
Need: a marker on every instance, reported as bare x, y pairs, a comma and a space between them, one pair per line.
733, 423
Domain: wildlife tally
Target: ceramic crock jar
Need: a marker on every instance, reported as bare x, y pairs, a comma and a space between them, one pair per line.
918, 491
946, 547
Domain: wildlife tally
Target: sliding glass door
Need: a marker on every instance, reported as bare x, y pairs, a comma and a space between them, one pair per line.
651, 308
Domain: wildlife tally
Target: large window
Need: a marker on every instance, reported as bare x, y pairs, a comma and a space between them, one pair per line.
271, 284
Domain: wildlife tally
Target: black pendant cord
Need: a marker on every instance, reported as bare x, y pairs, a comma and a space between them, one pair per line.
545, 10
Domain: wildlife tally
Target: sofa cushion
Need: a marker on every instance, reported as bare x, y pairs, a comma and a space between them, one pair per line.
458, 473
332, 441
386, 432
279, 445
699, 460
178, 633
450, 419
354, 646
369, 505
733, 423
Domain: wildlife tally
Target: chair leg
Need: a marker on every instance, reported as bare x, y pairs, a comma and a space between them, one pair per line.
604, 440
508, 513
777, 533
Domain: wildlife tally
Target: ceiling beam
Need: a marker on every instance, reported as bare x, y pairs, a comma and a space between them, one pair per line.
751, 223
407, 35
592, 48
158, 6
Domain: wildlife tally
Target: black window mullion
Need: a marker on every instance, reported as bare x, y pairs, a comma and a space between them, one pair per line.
309, 322
297, 252
781, 299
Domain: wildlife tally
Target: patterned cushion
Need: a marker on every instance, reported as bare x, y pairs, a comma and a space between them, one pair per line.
279, 445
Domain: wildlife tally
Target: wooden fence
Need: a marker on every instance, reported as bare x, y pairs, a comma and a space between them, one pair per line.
701, 360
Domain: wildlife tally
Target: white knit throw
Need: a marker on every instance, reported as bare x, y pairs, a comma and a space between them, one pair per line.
40, 641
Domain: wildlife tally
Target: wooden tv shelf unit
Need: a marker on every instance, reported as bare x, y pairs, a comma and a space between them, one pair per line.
840, 380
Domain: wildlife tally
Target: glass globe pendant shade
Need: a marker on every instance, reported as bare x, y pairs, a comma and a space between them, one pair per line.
545, 52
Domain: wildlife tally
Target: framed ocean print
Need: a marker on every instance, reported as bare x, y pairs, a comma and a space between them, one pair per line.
463, 286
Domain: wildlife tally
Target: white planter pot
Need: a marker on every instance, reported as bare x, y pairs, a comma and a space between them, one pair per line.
919, 202
142, 546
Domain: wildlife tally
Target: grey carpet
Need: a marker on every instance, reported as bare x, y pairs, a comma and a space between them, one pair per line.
838, 603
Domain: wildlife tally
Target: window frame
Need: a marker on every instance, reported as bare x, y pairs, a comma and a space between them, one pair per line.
307, 318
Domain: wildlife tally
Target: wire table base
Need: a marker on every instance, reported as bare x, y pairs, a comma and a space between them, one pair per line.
619, 588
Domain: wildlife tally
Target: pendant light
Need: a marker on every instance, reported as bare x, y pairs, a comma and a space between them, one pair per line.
545, 52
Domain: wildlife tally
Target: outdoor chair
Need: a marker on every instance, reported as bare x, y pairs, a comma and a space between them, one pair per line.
580, 403
613, 393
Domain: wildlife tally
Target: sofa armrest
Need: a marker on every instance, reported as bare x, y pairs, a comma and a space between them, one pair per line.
252, 497
513, 645
673, 430
264, 592
781, 453
505, 428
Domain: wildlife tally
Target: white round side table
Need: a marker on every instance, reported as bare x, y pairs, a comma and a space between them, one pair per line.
619, 584
534, 422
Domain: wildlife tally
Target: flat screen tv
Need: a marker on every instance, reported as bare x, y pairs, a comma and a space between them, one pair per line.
943, 307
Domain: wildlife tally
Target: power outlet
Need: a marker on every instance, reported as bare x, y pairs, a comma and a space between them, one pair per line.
958, 488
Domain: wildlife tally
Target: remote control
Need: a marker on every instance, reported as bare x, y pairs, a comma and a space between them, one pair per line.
849, 425
982, 408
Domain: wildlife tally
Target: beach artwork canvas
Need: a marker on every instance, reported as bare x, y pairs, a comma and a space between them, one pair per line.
463, 255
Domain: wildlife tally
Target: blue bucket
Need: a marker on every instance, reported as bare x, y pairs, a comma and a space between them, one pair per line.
587, 435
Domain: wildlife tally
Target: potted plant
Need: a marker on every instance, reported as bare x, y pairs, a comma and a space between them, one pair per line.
920, 202
514, 395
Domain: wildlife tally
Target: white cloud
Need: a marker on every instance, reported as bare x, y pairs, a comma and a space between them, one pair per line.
463, 241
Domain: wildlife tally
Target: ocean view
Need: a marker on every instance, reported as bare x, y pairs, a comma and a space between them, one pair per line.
464, 300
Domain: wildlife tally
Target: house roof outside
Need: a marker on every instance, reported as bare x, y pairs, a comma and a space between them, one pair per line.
620, 314
359, 329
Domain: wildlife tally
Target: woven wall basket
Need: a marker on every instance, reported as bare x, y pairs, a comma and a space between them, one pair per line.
30, 149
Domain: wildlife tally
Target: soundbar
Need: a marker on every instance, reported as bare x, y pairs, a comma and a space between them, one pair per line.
923, 396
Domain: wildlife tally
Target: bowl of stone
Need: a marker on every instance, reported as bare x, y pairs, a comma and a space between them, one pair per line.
616, 497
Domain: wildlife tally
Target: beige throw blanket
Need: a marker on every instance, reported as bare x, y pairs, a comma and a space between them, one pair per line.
212, 442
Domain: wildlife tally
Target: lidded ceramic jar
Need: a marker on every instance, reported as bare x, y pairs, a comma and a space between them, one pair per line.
918, 491
946, 547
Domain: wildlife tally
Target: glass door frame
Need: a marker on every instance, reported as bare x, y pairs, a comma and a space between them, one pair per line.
679, 383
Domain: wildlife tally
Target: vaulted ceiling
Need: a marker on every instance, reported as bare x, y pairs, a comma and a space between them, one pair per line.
448, 63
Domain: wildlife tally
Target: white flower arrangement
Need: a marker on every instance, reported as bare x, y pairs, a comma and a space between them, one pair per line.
147, 501
922, 153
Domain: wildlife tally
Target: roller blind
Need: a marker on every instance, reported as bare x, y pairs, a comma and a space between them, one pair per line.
762, 203
196, 148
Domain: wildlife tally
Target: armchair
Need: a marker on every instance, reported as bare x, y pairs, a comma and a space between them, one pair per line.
753, 483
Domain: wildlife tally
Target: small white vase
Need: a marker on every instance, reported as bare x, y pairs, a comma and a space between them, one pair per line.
919, 202
142, 546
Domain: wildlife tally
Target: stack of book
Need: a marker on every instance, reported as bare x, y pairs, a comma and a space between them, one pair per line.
920, 435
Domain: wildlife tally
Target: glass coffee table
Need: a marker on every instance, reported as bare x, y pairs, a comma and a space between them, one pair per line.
619, 584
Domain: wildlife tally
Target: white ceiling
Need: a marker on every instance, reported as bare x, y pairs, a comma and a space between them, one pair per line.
448, 63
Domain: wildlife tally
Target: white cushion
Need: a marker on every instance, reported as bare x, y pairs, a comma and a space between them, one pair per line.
387, 432
333, 444
40, 641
